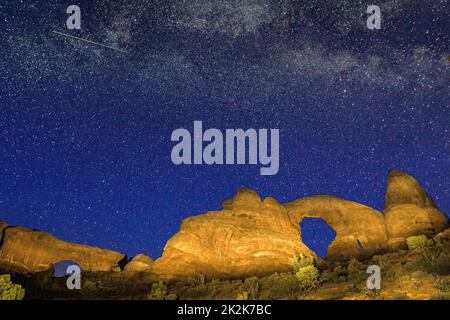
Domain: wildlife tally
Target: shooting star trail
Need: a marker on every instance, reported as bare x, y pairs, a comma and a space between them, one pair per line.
88, 41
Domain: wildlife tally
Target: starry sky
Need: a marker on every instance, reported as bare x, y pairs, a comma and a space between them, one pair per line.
85, 130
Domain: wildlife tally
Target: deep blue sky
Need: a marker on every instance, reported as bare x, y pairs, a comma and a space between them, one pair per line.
85, 131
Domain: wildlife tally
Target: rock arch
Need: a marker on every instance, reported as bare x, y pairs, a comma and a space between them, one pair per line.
317, 235
352, 222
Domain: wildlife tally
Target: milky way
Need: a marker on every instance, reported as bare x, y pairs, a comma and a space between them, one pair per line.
85, 130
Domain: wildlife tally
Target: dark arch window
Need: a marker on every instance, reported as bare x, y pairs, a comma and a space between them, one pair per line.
60, 268
317, 235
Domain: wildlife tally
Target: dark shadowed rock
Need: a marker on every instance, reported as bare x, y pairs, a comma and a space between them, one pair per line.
29, 251
396, 244
3, 226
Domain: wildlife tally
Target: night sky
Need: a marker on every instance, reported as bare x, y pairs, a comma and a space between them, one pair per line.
85, 130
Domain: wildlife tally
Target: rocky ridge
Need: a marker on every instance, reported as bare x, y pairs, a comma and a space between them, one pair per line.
249, 236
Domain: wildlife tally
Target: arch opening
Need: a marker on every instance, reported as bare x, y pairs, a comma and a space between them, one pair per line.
60, 268
317, 235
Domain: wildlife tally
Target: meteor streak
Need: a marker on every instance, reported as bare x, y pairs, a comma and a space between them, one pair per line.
88, 41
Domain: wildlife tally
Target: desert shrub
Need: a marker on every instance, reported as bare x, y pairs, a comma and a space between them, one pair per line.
198, 287
200, 280
373, 294
440, 296
431, 259
281, 286
44, 279
329, 276
251, 286
158, 291
9, 290
382, 261
442, 285
308, 278
355, 270
439, 265
351, 289
418, 242
194, 292
89, 285
341, 273
301, 261
306, 272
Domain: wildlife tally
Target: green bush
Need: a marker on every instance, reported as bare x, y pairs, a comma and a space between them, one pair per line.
440, 296
306, 272
158, 292
281, 286
251, 286
441, 284
372, 294
328, 276
10, 291
355, 270
432, 259
301, 261
417, 242
308, 278
382, 261
90, 285
199, 280
351, 290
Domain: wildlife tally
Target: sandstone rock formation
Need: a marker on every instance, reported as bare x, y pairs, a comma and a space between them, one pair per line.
248, 237
255, 237
139, 263
353, 223
252, 237
27, 251
409, 210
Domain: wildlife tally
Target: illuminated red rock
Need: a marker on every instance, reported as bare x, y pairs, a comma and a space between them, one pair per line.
409, 209
248, 237
255, 237
139, 263
360, 230
27, 251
